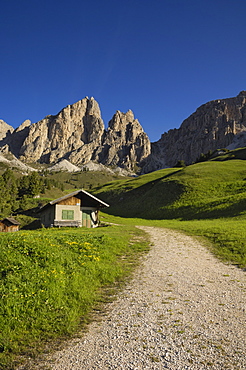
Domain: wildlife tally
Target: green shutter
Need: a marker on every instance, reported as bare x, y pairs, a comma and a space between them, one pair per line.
70, 215
67, 214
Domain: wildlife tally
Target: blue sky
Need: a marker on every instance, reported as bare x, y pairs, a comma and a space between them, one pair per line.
161, 58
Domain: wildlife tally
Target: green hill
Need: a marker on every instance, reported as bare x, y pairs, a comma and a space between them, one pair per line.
211, 189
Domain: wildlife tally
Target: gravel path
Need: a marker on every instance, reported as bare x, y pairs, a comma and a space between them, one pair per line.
183, 309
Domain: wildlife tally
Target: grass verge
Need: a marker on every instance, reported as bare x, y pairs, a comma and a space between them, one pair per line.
51, 279
226, 236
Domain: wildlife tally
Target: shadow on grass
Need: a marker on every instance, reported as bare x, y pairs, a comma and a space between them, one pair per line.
154, 210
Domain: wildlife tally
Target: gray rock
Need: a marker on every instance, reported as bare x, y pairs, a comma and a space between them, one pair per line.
55, 137
125, 143
5, 129
214, 125
77, 134
16, 139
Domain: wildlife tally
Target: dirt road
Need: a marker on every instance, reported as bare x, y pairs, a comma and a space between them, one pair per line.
183, 309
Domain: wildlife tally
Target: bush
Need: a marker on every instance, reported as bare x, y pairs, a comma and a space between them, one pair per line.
180, 163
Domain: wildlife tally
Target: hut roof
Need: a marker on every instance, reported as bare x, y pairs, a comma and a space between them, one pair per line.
84, 194
11, 221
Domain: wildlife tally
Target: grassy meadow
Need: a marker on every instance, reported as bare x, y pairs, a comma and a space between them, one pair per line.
207, 199
201, 191
52, 279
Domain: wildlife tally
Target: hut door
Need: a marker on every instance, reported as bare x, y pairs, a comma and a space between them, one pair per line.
86, 218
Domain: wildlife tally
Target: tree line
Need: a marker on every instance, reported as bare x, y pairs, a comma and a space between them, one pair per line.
15, 191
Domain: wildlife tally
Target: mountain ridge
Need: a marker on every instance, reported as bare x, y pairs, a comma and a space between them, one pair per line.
77, 134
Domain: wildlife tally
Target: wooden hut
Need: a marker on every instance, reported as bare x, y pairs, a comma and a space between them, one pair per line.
76, 209
9, 224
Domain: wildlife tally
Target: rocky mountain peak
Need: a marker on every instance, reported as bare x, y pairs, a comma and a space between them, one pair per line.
26, 123
125, 143
63, 135
242, 93
213, 125
77, 134
5, 129
16, 138
120, 120
93, 108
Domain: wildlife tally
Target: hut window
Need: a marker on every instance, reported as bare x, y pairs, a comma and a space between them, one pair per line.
67, 214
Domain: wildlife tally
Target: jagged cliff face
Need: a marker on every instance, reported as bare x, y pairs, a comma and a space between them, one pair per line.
77, 133
76, 126
5, 129
214, 125
124, 143
16, 139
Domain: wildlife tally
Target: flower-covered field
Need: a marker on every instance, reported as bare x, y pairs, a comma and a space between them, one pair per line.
50, 280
